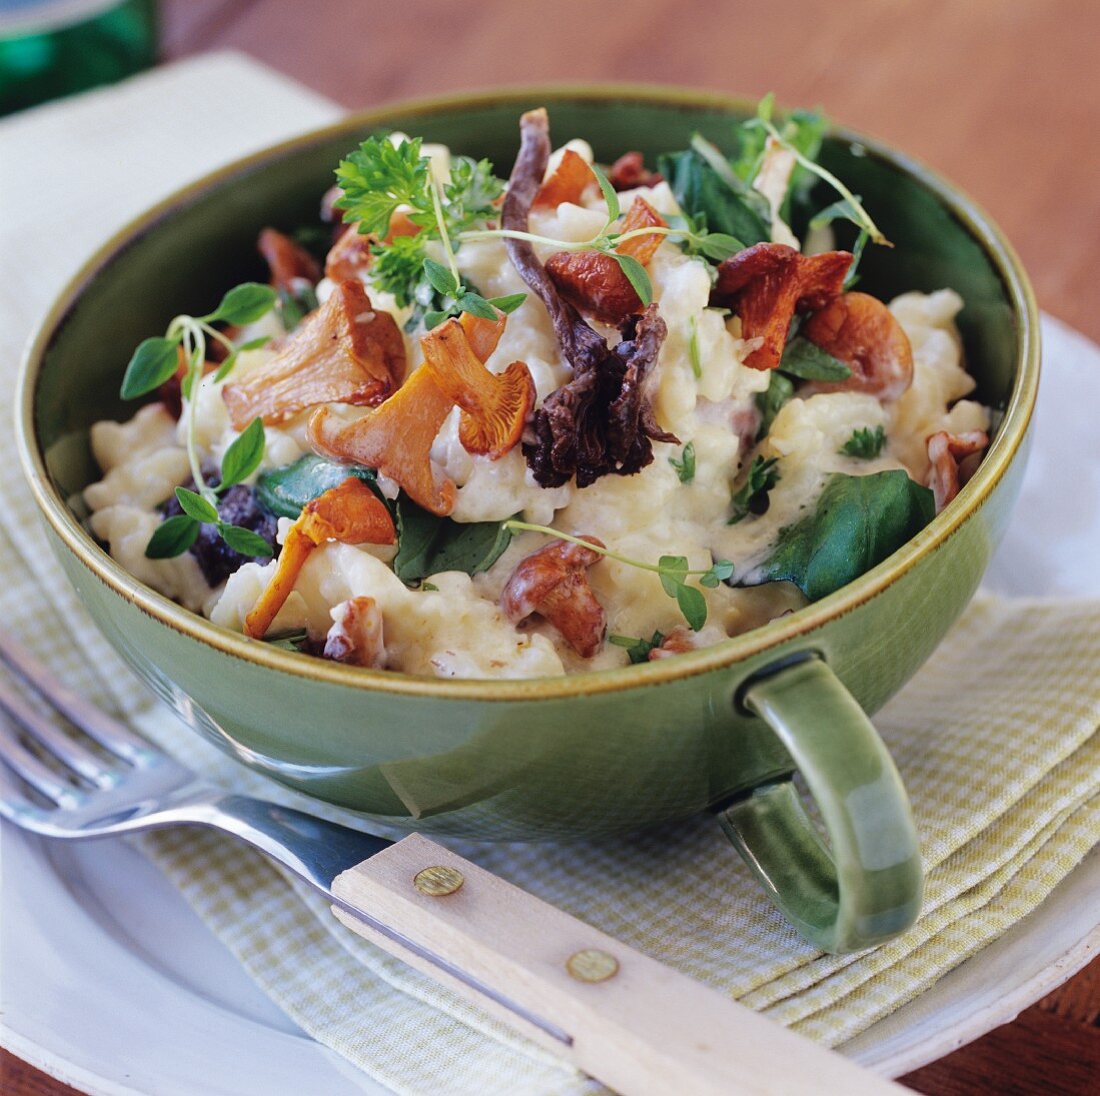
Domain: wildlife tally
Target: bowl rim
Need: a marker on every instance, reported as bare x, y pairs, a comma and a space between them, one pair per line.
736, 649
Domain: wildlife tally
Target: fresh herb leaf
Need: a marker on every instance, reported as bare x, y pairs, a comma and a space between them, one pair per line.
852, 277
693, 349
636, 274
195, 506
293, 641
152, 363
865, 443
398, 268
637, 649
685, 465
508, 303
614, 209
244, 541
440, 278
243, 457
780, 389
243, 304
672, 571
840, 210
378, 177
713, 205
172, 537
471, 192
476, 305
858, 522
429, 587
427, 544
720, 571
285, 491
717, 245
752, 496
807, 361
693, 605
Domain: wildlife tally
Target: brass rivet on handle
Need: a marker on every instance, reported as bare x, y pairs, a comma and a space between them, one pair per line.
438, 881
592, 965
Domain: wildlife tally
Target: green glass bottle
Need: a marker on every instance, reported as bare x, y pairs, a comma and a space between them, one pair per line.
50, 48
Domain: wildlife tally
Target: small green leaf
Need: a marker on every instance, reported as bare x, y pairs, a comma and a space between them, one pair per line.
693, 349
672, 571
244, 541
718, 245
685, 466
508, 303
840, 210
637, 649
693, 605
476, 305
752, 496
441, 278
723, 569
195, 506
779, 391
429, 587
609, 194
153, 362
852, 277
807, 361
434, 319
292, 641
172, 537
243, 457
636, 275
243, 304
865, 443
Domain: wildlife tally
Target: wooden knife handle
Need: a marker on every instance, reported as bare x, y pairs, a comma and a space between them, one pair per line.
624, 1018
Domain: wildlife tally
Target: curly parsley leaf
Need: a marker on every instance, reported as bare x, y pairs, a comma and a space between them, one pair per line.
471, 192
381, 175
865, 443
752, 496
685, 465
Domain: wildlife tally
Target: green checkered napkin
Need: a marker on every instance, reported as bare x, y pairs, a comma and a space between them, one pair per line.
1001, 763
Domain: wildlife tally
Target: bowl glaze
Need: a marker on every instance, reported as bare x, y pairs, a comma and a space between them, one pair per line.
583, 755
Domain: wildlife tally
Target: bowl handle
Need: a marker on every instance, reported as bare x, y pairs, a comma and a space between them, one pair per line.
867, 888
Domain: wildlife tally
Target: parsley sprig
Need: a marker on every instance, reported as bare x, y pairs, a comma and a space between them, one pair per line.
865, 443
673, 572
752, 496
380, 177
154, 362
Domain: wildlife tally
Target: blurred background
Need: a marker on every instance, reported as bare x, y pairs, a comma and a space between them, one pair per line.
1002, 96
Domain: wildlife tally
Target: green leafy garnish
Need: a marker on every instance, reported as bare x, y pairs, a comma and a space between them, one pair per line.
693, 349
637, 649
807, 361
152, 363
427, 544
752, 496
244, 455
685, 465
244, 541
377, 178
672, 570
285, 491
292, 641
243, 304
865, 443
857, 523
226, 366
294, 303
195, 506
172, 537
780, 389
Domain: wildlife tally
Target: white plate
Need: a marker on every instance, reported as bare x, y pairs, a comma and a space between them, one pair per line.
112, 984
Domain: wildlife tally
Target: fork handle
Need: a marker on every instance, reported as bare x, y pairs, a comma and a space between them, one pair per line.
631, 1022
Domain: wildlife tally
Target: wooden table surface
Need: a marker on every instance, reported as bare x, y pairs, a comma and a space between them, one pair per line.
1001, 96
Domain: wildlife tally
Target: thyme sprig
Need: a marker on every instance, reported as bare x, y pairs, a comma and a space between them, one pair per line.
673, 572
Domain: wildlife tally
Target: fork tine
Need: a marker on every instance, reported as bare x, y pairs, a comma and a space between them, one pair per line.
111, 734
34, 771
51, 738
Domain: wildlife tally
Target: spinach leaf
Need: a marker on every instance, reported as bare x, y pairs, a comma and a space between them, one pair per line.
858, 522
428, 544
284, 491
711, 200
807, 361
780, 389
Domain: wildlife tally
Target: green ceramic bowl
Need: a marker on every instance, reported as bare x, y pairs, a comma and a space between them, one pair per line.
720, 729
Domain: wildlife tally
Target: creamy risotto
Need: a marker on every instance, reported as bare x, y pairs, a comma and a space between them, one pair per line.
513, 429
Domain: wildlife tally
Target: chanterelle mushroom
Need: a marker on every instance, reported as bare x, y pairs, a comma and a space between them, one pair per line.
767, 283
350, 513
567, 182
861, 331
553, 582
345, 352
287, 260
946, 451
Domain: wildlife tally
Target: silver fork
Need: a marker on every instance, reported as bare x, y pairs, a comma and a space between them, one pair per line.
617, 1014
